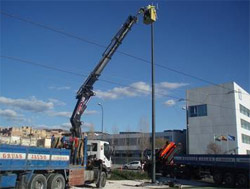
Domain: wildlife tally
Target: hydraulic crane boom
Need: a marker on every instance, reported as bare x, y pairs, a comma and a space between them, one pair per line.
86, 90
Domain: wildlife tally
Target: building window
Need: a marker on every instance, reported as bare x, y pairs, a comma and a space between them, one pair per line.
115, 141
245, 139
196, 111
133, 141
244, 110
245, 124
121, 142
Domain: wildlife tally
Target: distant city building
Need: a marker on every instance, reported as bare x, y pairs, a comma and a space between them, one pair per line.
4, 131
55, 132
27, 131
28, 136
218, 115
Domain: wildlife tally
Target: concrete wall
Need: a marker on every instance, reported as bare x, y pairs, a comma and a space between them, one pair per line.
222, 118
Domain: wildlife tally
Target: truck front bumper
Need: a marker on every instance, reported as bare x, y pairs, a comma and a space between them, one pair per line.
108, 173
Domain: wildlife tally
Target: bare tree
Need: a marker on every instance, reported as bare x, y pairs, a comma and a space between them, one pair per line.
160, 142
144, 139
114, 140
213, 148
91, 133
127, 143
115, 129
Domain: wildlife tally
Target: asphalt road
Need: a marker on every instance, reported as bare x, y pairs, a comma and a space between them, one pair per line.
161, 184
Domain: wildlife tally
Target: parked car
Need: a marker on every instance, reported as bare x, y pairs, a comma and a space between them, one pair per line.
133, 165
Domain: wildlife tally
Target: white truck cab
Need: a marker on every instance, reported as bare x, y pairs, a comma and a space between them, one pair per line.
100, 150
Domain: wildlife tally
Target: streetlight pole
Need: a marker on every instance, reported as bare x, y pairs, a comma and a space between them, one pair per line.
187, 130
102, 117
187, 123
153, 103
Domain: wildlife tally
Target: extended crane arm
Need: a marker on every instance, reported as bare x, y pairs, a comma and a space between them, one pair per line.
86, 90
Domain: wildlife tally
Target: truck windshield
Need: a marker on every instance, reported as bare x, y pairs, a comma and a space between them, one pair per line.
92, 147
107, 151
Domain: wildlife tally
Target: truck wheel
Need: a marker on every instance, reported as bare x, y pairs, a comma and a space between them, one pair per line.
102, 180
217, 177
229, 179
56, 181
38, 181
49, 175
242, 180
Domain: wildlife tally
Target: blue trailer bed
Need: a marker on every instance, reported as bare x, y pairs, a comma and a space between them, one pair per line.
14, 157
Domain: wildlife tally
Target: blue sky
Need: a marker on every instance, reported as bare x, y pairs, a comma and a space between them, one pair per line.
207, 39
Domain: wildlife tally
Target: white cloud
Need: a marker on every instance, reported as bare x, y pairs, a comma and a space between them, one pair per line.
60, 88
138, 89
8, 113
106, 94
90, 125
90, 112
65, 126
133, 90
11, 115
163, 88
168, 85
68, 114
59, 114
59, 126
31, 104
57, 102
170, 103
141, 87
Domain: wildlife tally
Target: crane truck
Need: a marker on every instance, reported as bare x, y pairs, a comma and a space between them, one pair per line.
226, 169
36, 167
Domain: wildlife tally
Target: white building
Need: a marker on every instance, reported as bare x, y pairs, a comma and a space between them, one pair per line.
218, 114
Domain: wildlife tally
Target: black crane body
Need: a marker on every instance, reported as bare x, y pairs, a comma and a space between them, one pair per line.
86, 90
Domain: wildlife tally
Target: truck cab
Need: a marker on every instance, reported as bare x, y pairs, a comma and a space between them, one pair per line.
99, 149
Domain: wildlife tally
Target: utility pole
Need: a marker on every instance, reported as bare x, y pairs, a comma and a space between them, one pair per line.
149, 18
153, 102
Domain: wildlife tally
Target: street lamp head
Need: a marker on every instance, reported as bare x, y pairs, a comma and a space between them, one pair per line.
99, 104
